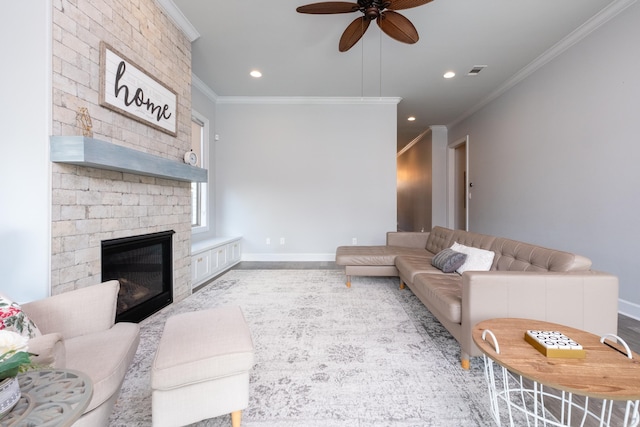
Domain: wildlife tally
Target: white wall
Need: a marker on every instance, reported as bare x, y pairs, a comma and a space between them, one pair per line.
25, 123
554, 160
316, 173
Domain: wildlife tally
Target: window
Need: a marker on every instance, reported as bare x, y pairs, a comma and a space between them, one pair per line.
200, 146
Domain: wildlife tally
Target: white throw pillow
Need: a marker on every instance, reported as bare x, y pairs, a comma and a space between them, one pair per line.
477, 259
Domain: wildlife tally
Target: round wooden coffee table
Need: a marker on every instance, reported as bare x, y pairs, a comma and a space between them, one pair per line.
558, 391
50, 397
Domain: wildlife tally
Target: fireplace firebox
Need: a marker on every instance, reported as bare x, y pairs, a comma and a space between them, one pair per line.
144, 267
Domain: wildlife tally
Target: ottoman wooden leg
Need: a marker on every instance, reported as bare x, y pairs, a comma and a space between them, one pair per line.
236, 417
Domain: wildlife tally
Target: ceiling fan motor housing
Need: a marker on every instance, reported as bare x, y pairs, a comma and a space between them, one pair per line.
372, 8
372, 13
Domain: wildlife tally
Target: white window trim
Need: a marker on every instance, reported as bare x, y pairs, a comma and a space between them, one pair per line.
205, 164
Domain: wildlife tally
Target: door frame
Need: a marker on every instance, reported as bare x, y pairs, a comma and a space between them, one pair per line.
451, 178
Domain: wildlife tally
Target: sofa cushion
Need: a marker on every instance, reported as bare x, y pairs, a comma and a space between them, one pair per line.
474, 240
513, 255
439, 238
12, 318
219, 346
105, 357
444, 293
477, 259
373, 255
410, 265
448, 260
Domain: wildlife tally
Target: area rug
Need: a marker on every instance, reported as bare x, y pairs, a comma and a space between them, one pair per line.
327, 355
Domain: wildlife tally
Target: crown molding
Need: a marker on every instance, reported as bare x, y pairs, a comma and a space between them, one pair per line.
595, 22
202, 87
414, 141
179, 19
338, 100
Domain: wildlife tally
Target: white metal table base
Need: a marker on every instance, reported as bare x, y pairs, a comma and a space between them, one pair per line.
526, 402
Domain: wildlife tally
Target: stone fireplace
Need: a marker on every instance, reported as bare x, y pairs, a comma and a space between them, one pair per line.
144, 267
95, 201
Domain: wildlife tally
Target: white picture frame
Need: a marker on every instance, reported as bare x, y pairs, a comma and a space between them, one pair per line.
131, 91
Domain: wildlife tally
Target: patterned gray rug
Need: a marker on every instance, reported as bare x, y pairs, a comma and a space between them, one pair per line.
327, 355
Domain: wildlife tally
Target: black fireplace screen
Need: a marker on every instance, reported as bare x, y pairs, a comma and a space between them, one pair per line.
144, 267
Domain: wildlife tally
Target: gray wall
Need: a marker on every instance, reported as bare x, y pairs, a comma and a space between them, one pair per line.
25, 170
554, 160
316, 173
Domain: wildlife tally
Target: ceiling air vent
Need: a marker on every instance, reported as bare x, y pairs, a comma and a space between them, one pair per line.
476, 70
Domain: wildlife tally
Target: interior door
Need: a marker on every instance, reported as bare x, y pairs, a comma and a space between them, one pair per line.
458, 184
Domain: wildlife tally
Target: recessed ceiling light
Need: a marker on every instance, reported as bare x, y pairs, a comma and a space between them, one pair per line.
449, 75
411, 119
255, 73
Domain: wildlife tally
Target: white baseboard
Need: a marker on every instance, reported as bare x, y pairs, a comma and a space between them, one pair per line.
629, 309
288, 257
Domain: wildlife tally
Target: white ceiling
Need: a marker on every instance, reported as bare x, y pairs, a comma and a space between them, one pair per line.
298, 53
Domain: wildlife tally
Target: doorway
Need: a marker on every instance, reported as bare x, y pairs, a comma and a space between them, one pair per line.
458, 184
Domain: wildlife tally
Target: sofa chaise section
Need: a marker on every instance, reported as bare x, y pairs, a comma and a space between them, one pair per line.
376, 260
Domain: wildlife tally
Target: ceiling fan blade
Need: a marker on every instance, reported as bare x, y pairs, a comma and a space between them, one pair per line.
406, 4
353, 33
328, 7
397, 27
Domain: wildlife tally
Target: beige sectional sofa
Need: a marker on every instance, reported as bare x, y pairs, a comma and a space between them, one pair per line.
524, 281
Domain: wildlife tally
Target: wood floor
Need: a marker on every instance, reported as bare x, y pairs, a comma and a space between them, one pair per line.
629, 330
287, 265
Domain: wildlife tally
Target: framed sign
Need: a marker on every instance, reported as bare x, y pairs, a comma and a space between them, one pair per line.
129, 90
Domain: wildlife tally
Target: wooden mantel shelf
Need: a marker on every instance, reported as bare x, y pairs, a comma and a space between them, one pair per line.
94, 153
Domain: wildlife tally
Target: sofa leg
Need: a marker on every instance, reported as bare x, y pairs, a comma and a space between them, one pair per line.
348, 281
401, 284
466, 364
236, 417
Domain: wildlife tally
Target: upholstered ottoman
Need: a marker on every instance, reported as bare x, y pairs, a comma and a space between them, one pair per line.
201, 368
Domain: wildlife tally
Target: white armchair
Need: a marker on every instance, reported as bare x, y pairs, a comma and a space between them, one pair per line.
79, 333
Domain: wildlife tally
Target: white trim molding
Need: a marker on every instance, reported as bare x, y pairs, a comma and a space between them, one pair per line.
629, 309
338, 100
178, 18
413, 142
204, 88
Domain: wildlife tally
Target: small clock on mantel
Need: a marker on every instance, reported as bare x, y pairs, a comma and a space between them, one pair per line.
191, 158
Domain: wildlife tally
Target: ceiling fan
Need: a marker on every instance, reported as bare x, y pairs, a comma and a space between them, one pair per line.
390, 22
